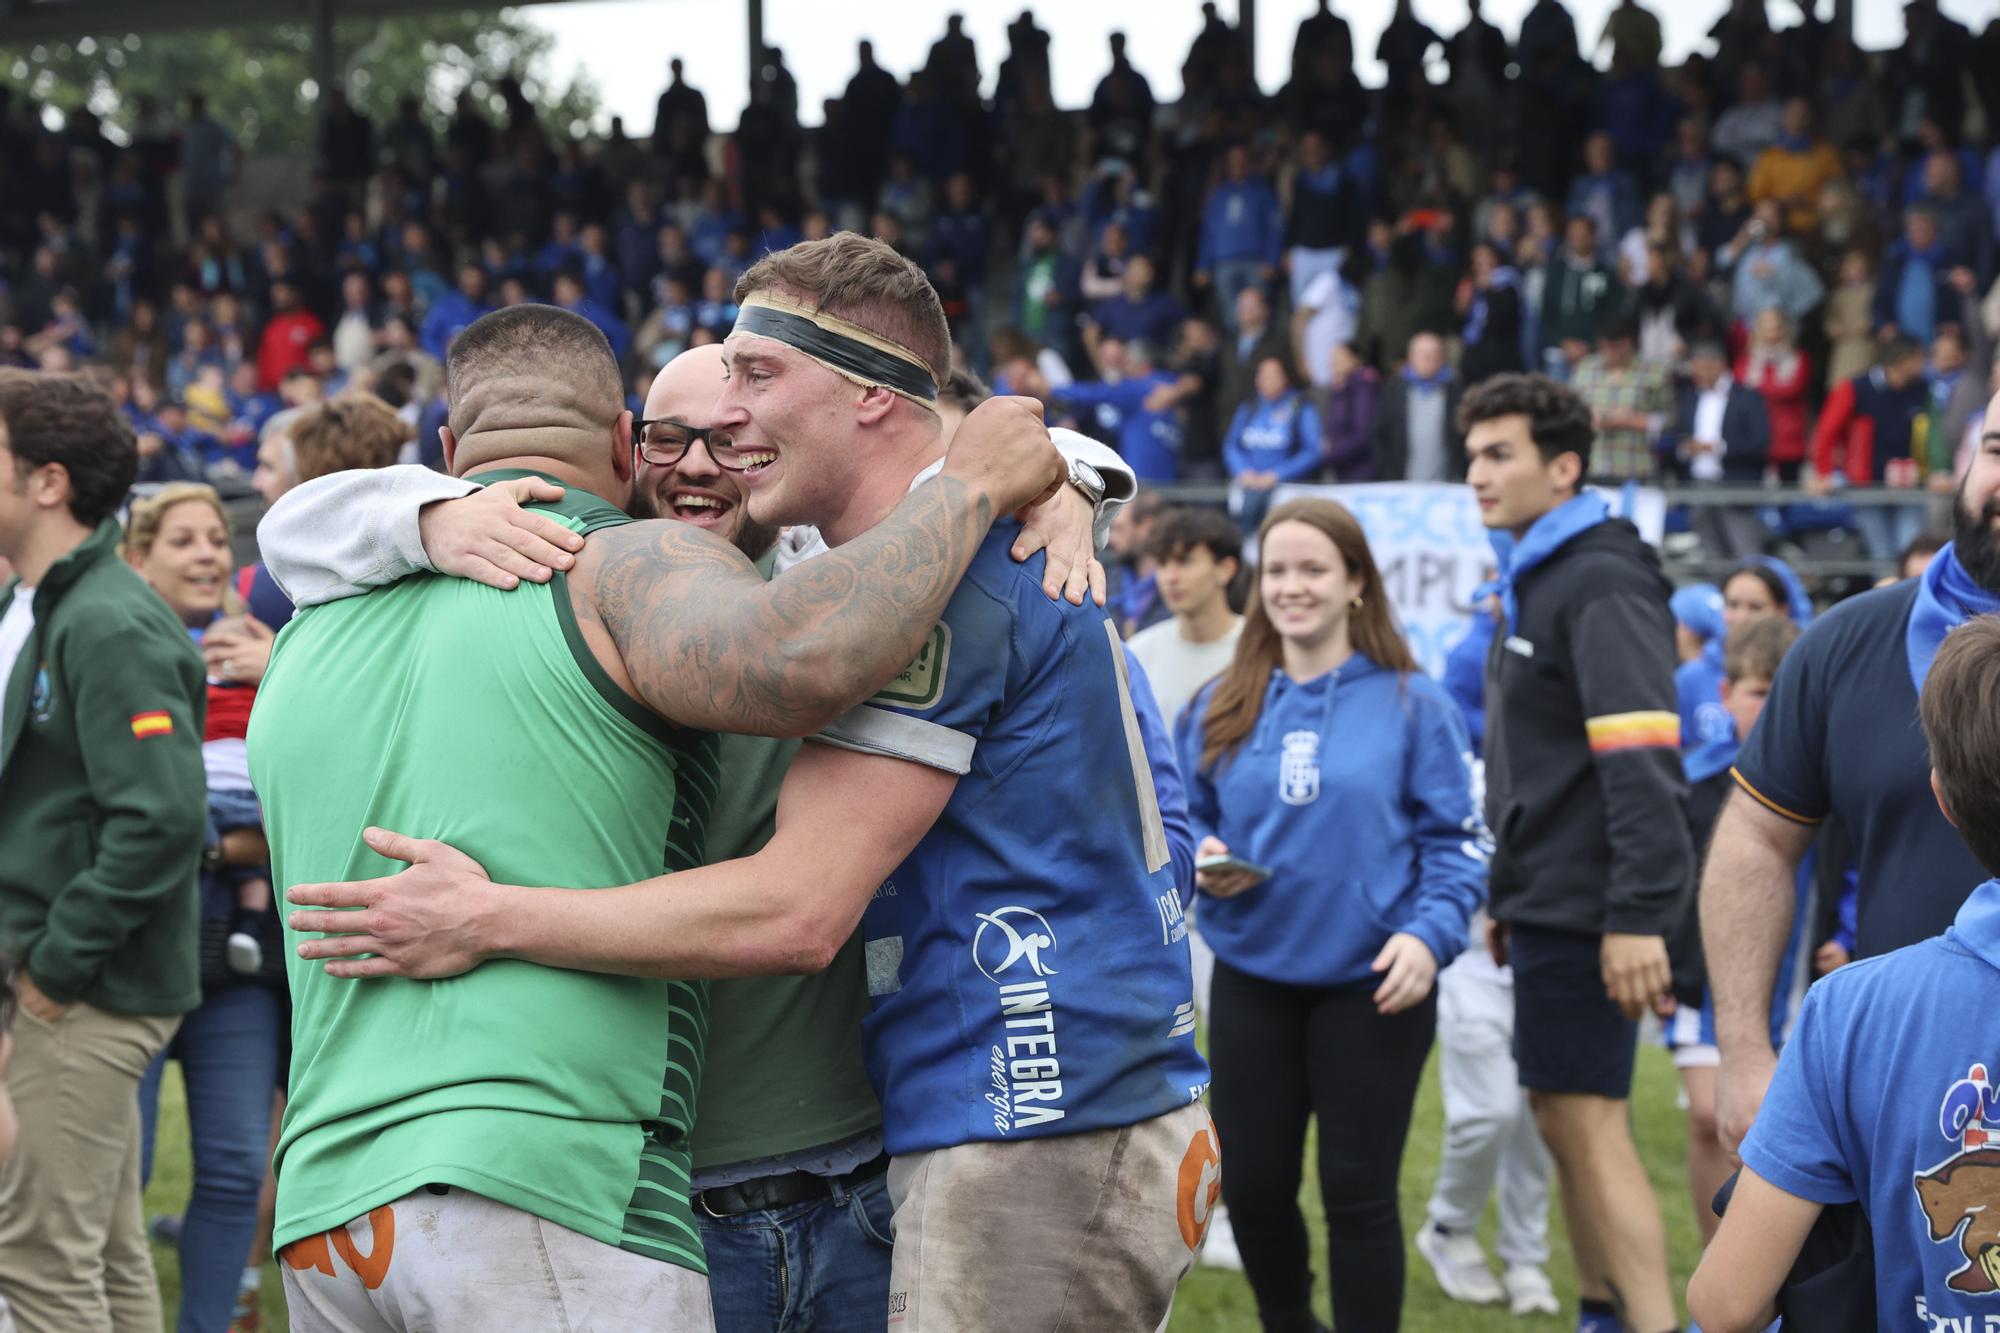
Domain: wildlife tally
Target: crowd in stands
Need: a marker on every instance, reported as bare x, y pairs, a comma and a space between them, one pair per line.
1238, 284
1773, 265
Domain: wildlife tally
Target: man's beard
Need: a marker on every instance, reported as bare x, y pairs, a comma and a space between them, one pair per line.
1975, 541
753, 538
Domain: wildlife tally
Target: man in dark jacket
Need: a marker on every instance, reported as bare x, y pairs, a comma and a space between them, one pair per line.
102, 813
1256, 337
1416, 436
1721, 434
1592, 863
1721, 429
1914, 292
1578, 291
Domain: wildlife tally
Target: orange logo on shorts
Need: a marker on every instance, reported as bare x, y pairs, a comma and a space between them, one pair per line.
1200, 1185
371, 1268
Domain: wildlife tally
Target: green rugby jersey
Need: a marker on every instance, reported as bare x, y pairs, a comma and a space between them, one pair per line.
782, 1069
444, 709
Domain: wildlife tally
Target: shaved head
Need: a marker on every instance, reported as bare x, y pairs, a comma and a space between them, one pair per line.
532, 380
686, 389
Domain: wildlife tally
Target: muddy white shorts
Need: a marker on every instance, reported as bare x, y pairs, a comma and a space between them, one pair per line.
447, 1259
1080, 1233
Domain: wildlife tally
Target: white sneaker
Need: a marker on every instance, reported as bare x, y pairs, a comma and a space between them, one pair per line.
1528, 1290
1460, 1266
1219, 1250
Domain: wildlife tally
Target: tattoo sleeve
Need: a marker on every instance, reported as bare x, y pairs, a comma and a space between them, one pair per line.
708, 643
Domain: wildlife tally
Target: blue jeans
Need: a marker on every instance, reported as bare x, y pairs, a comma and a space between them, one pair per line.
228, 1049
1231, 276
820, 1267
1248, 507
1886, 529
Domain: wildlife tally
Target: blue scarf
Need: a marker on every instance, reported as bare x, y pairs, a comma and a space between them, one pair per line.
1798, 602
1434, 381
1550, 533
1699, 607
1801, 143
1475, 315
1946, 598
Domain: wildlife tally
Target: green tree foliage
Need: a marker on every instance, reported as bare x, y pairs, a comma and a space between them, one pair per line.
260, 80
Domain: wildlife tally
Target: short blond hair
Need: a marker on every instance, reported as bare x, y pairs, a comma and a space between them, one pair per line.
142, 527
1754, 650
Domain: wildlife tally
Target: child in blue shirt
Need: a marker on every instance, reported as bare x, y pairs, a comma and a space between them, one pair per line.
1887, 1093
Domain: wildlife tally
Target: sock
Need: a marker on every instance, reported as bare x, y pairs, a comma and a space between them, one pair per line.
246, 1293
1597, 1317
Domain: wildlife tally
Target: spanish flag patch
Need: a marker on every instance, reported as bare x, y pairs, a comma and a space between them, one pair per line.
1653, 730
158, 723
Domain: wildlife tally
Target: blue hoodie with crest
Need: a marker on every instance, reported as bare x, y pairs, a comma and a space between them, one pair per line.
1356, 790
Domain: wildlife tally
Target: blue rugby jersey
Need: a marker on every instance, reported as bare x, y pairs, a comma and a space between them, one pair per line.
1028, 963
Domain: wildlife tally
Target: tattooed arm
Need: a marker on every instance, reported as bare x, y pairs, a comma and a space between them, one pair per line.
683, 618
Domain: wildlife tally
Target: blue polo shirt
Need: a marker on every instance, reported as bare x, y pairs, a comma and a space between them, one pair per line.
1839, 737
1028, 962
1889, 1093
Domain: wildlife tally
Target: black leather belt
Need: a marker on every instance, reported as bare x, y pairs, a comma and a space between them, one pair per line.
794, 1187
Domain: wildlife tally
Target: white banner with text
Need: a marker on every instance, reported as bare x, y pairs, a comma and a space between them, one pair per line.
1433, 552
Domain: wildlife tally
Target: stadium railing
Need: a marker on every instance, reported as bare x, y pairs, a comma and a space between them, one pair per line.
1682, 553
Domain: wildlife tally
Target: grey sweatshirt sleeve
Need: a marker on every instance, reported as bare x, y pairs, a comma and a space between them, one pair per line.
340, 535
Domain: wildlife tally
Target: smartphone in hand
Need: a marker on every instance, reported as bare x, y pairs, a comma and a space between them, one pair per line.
1226, 862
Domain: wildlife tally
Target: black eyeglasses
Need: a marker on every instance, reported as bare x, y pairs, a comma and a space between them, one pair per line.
664, 441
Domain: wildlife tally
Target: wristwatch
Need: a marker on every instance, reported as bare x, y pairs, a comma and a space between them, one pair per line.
211, 858
1088, 480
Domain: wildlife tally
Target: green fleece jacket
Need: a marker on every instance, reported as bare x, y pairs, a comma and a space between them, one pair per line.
103, 802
